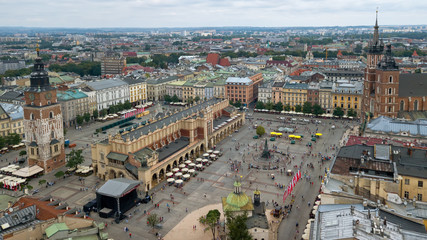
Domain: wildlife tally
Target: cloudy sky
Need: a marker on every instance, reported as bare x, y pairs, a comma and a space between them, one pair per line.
200, 13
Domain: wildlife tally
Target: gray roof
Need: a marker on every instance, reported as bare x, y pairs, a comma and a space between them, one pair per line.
403, 222
117, 187
354, 151
296, 85
410, 163
162, 80
12, 95
244, 81
117, 156
14, 111
386, 124
132, 81
382, 151
166, 121
18, 220
413, 85
108, 83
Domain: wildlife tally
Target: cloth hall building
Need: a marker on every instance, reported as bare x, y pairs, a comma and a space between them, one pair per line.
148, 152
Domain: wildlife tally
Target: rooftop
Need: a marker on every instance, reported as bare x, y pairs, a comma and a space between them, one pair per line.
107, 83
238, 80
413, 85
168, 120
14, 111
387, 125
117, 187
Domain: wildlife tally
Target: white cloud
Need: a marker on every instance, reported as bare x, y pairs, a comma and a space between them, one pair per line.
195, 13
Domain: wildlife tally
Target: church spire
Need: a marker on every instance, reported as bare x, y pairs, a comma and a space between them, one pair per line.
376, 46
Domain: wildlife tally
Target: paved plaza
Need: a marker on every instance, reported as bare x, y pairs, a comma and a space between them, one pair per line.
216, 181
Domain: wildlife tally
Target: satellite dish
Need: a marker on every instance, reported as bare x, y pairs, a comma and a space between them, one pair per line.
10, 209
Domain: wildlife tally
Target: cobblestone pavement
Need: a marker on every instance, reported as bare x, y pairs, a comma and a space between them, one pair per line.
217, 179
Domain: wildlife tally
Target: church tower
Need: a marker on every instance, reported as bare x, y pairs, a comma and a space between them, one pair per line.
43, 125
375, 54
387, 84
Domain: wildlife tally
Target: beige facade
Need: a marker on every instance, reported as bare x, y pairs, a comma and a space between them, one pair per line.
156, 88
137, 155
413, 188
10, 123
137, 91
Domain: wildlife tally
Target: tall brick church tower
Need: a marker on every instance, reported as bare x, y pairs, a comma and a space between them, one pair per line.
43, 125
375, 54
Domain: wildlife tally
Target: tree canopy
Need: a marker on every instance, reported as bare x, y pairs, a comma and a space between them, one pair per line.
260, 130
210, 221
298, 108
259, 105
153, 220
236, 225
307, 107
83, 68
338, 112
75, 158
317, 110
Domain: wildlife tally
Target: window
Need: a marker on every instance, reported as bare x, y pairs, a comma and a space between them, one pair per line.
355, 106
390, 79
31, 116
402, 104
389, 109
406, 195
416, 105
32, 151
342, 105
389, 91
407, 181
389, 100
342, 98
419, 197
348, 106
420, 183
355, 98
348, 98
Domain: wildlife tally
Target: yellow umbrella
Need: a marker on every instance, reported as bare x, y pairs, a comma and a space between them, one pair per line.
272, 133
297, 137
291, 136
279, 134
319, 134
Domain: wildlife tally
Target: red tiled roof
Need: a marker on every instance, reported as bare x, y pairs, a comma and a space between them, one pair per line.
45, 212
298, 72
354, 140
129, 54
415, 54
212, 58
224, 62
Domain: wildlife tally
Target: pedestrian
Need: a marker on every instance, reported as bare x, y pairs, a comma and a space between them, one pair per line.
130, 235
186, 209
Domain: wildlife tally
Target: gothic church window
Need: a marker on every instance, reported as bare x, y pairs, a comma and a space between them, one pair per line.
31, 116
402, 104
390, 79
389, 91
416, 105
51, 115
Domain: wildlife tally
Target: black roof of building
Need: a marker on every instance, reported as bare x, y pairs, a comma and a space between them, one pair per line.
278, 84
18, 220
12, 95
413, 85
410, 162
132, 81
403, 222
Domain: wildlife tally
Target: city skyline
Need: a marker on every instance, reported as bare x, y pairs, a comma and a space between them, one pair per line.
191, 13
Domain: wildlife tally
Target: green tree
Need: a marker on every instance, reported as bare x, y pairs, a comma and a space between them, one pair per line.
278, 106
298, 108
175, 98
197, 98
127, 105
29, 187
153, 220
190, 100
260, 130
259, 105
288, 107
167, 98
307, 107
75, 158
338, 112
351, 113
236, 225
95, 114
59, 174
42, 181
86, 116
103, 113
269, 105
238, 104
3, 142
79, 119
210, 221
317, 110
22, 153
13, 139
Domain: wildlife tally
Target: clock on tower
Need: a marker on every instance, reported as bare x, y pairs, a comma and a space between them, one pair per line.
43, 125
